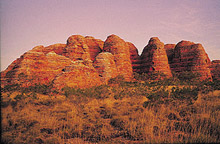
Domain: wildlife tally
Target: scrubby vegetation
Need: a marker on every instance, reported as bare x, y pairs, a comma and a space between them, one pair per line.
142, 111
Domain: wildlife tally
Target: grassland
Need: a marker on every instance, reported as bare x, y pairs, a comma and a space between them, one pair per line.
142, 111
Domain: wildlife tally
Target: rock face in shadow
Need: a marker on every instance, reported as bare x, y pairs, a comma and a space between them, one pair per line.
192, 57
78, 75
135, 58
154, 58
120, 50
105, 66
170, 51
215, 70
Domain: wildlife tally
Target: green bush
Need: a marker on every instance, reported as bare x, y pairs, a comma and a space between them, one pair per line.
141, 76
99, 92
9, 88
189, 77
185, 94
117, 80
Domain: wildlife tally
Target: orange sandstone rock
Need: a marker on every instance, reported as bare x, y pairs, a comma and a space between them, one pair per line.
189, 56
34, 67
82, 48
105, 65
95, 46
170, 51
72, 64
154, 58
77, 75
134, 56
215, 69
57, 48
76, 48
120, 50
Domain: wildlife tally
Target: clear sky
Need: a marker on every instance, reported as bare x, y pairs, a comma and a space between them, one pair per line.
28, 23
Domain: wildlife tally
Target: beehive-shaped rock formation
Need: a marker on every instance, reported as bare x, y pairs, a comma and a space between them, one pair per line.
120, 50
192, 57
154, 58
85, 61
77, 49
105, 66
35, 67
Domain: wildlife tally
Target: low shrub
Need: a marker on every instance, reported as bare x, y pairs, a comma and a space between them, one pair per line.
99, 92
117, 80
144, 111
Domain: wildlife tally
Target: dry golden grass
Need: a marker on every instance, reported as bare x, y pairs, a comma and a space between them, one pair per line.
121, 113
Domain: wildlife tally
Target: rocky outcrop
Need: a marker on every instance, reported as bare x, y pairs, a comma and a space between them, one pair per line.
120, 50
85, 61
105, 66
77, 75
170, 51
135, 58
154, 58
95, 46
57, 48
215, 70
35, 67
82, 48
191, 57
77, 49
42, 65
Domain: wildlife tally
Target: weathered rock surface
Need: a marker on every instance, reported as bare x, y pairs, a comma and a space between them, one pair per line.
215, 69
95, 46
85, 61
134, 56
120, 50
57, 48
77, 75
105, 66
192, 57
170, 51
154, 58
34, 67
42, 64
76, 48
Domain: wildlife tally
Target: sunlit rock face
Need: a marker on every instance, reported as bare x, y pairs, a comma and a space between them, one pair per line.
82, 48
77, 75
35, 67
215, 69
192, 57
95, 46
43, 65
77, 48
120, 50
154, 58
57, 48
105, 66
134, 56
85, 61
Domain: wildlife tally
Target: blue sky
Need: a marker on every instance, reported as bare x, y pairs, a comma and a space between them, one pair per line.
28, 23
